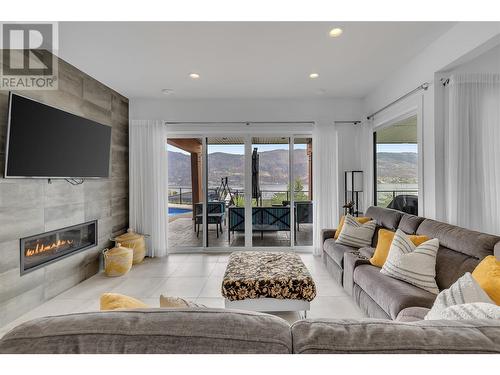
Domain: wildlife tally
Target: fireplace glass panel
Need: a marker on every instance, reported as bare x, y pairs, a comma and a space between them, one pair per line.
47, 247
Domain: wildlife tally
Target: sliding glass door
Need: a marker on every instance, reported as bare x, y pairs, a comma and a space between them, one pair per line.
302, 188
230, 192
271, 193
225, 192
185, 193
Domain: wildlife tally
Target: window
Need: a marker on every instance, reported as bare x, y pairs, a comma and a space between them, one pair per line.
396, 166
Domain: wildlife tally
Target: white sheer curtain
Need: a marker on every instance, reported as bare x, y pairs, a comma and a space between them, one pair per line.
325, 186
148, 183
473, 152
364, 135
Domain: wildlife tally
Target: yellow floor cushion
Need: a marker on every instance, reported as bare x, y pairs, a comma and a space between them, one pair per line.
115, 301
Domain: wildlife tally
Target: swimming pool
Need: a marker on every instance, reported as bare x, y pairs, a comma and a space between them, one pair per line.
172, 211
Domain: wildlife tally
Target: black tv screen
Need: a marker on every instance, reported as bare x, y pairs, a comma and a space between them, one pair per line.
44, 141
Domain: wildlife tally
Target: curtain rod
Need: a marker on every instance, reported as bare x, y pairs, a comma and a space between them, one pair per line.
354, 122
235, 122
424, 86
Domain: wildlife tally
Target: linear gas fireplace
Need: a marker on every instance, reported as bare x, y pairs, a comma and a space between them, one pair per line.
49, 247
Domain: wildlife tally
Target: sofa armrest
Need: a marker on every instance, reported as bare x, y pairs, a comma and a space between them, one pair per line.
412, 314
351, 261
496, 250
327, 233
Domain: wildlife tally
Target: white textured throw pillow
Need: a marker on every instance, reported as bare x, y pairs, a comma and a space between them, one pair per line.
177, 302
469, 311
463, 291
356, 234
415, 265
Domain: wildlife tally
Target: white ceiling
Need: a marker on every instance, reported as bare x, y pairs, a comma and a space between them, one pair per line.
243, 59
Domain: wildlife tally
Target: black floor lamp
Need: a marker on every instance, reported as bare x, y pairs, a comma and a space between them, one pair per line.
353, 186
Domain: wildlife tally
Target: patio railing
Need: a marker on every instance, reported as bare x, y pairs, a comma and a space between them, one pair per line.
184, 194
384, 197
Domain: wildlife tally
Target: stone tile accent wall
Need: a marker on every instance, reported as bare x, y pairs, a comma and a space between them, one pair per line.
28, 207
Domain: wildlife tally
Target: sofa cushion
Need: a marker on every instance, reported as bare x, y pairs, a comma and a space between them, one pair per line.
152, 331
451, 265
366, 252
390, 294
472, 243
382, 336
336, 251
410, 223
385, 217
368, 305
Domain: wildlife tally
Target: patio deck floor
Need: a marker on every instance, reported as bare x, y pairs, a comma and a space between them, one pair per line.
181, 233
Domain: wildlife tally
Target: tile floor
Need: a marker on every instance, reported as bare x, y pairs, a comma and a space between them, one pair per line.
196, 277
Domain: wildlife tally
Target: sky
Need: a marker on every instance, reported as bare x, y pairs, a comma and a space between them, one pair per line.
399, 147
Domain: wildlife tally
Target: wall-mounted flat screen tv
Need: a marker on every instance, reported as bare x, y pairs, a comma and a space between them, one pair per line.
46, 142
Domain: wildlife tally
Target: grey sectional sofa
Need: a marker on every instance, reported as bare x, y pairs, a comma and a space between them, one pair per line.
229, 331
383, 297
202, 330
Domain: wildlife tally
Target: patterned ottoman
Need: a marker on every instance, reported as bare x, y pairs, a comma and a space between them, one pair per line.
267, 281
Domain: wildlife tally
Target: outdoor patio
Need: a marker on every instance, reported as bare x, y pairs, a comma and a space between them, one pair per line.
182, 234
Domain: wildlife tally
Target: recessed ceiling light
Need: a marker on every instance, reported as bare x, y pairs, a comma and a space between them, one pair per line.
336, 32
194, 75
167, 91
313, 75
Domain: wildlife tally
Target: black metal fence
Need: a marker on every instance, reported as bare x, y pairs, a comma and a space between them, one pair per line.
384, 197
184, 194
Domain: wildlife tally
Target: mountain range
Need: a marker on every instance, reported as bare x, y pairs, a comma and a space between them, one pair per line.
397, 167
273, 167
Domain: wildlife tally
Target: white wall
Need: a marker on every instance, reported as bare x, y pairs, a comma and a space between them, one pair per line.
211, 110
488, 62
461, 42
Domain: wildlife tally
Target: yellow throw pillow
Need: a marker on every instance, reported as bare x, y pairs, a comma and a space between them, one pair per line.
115, 301
384, 242
361, 220
487, 275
